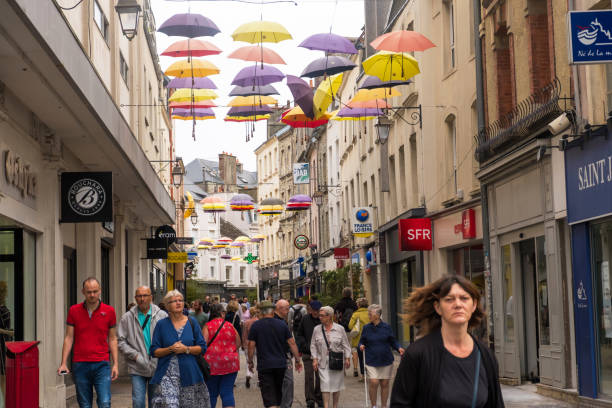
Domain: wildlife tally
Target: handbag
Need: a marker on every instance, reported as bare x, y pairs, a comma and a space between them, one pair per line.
200, 360
336, 358
355, 330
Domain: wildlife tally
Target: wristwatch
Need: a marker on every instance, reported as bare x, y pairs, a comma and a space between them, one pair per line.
187, 352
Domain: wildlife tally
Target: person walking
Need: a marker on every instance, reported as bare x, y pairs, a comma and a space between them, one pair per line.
377, 339
176, 341
447, 367
254, 313
296, 312
233, 315
281, 312
329, 348
303, 338
358, 320
199, 314
90, 334
271, 337
134, 337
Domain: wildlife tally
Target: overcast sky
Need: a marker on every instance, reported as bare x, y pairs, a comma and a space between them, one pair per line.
301, 18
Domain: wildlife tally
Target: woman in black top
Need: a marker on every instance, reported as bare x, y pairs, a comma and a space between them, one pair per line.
447, 367
233, 317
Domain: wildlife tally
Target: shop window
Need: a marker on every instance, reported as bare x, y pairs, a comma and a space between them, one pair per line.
508, 299
105, 281
242, 274
228, 273
542, 288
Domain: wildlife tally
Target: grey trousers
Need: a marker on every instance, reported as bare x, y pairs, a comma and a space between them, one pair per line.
287, 399
312, 383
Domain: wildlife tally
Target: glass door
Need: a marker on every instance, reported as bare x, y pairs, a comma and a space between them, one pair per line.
405, 281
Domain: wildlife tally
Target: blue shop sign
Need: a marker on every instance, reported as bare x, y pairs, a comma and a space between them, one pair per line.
588, 179
590, 34
192, 255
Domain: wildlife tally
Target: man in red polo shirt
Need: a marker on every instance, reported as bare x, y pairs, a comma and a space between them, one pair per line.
90, 332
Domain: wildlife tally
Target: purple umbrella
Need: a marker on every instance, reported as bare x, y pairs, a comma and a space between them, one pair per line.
329, 42
330, 65
198, 112
359, 112
253, 76
302, 94
198, 83
372, 82
249, 91
189, 25
242, 111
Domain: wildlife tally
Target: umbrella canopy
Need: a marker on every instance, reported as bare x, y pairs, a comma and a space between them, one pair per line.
219, 246
225, 240
260, 32
297, 119
242, 111
325, 93
242, 202
225, 256
191, 48
271, 206
329, 42
372, 94
204, 246
237, 244
192, 68
243, 238
302, 94
373, 103
250, 90
330, 65
343, 118
299, 202
195, 95
255, 100
372, 82
213, 204
359, 112
189, 25
194, 105
257, 53
253, 118
188, 82
402, 41
389, 66
197, 116
206, 241
253, 76
236, 258
258, 238
198, 112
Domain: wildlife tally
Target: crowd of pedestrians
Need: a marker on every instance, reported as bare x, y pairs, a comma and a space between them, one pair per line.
183, 357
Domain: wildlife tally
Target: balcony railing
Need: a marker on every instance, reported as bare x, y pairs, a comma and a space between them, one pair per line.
529, 115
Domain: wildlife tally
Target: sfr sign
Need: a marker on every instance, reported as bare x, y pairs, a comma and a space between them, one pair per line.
415, 234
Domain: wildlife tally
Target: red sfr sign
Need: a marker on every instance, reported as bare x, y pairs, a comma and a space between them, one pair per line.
415, 234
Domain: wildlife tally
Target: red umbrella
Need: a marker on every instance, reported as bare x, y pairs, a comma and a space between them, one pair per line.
402, 41
297, 119
191, 48
257, 54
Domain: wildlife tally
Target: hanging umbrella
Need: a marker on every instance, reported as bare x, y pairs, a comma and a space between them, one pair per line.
372, 82
299, 202
344, 118
302, 94
389, 66
271, 206
373, 103
191, 48
258, 238
329, 42
188, 82
197, 116
193, 68
330, 65
237, 244
254, 118
243, 238
242, 202
236, 258
204, 246
194, 105
195, 95
378, 93
242, 111
257, 53
250, 76
325, 94
213, 205
225, 256
402, 41
224, 240
200, 114
249, 90
255, 100
297, 119
189, 25
206, 241
359, 112
261, 31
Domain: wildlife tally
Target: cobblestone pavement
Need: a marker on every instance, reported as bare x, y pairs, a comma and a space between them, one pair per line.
352, 397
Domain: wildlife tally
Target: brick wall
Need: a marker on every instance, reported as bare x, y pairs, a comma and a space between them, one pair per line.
504, 63
540, 65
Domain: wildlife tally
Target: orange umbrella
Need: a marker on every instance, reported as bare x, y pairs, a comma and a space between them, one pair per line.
374, 103
258, 54
402, 41
296, 118
189, 104
191, 48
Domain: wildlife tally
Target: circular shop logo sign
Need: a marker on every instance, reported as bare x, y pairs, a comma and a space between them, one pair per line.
301, 242
362, 215
86, 197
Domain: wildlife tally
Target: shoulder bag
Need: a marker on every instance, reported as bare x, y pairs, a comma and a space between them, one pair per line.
200, 360
356, 329
336, 358
476, 379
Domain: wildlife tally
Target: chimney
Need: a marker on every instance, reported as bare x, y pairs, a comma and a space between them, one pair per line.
227, 171
239, 167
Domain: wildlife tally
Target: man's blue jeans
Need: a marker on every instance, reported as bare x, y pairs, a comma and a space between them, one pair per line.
90, 375
141, 391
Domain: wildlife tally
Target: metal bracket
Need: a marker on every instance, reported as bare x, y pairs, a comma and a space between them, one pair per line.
416, 116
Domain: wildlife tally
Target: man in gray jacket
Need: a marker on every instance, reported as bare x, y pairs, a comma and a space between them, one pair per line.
134, 337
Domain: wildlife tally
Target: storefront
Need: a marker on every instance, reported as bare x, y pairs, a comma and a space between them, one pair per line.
588, 171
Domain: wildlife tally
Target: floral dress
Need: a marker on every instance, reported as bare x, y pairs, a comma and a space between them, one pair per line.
170, 394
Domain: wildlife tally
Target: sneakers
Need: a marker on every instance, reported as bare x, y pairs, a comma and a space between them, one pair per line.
355, 374
248, 382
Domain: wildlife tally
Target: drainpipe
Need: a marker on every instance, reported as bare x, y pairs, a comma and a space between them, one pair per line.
484, 203
571, 6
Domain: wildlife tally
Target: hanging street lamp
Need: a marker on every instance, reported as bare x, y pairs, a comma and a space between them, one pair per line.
128, 17
383, 126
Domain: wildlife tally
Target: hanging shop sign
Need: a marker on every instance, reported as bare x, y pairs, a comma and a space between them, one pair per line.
283, 274
87, 197
192, 255
157, 248
301, 173
301, 242
468, 224
362, 221
166, 232
184, 240
590, 36
341, 253
415, 234
250, 258
177, 257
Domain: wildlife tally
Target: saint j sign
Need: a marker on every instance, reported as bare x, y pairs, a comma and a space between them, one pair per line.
590, 36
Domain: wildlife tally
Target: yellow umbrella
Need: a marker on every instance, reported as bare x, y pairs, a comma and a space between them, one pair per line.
190, 206
391, 66
236, 258
253, 100
334, 116
192, 118
364, 95
193, 68
246, 118
261, 31
325, 93
195, 95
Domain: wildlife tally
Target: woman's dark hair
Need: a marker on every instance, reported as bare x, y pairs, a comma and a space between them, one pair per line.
216, 311
420, 305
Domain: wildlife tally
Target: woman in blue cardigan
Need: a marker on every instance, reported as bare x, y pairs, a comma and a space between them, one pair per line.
176, 341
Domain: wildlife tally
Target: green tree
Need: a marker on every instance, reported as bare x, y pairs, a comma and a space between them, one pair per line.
195, 290
336, 280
